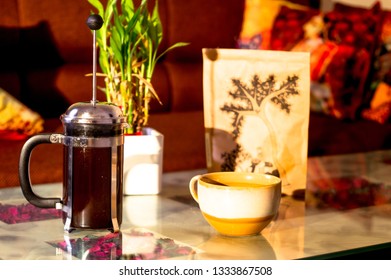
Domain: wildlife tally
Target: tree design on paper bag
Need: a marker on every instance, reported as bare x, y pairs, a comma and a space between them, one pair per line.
250, 101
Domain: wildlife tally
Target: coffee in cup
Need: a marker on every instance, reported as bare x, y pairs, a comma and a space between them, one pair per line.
237, 203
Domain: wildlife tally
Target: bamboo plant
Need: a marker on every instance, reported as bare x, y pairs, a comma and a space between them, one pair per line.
128, 44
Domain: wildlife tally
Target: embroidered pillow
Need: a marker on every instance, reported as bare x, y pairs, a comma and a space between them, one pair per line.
258, 20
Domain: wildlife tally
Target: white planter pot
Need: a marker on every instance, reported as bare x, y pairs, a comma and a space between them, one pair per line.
143, 163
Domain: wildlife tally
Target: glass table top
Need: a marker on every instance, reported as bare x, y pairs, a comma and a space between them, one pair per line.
344, 210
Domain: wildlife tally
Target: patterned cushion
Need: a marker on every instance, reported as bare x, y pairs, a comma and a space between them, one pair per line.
258, 20
16, 120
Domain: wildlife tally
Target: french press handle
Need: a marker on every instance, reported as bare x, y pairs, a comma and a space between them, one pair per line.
24, 171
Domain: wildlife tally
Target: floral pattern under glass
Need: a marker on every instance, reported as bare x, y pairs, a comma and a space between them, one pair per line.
125, 245
14, 214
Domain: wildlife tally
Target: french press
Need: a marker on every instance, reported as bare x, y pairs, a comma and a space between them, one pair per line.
93, 161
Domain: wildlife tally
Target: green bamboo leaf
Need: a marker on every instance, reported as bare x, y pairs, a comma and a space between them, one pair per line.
104, 62
142, 20
116, 37
117, 53
107, 16
110, 7
99, 41
153, 34
98, 5
157, 24
118, 32
132, 20
176, 45
127, 8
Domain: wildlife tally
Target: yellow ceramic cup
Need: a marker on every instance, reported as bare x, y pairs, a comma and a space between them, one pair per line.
237, 203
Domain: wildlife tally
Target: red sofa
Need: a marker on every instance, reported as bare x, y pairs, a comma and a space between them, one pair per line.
45, 52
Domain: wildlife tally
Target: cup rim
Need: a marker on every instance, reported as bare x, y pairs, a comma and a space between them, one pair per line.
272, 180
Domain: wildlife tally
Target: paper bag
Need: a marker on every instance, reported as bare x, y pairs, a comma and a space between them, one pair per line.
256, 113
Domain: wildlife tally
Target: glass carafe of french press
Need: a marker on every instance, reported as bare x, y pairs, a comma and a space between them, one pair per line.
93, 164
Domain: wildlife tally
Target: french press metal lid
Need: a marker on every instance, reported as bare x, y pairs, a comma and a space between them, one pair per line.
88, 119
